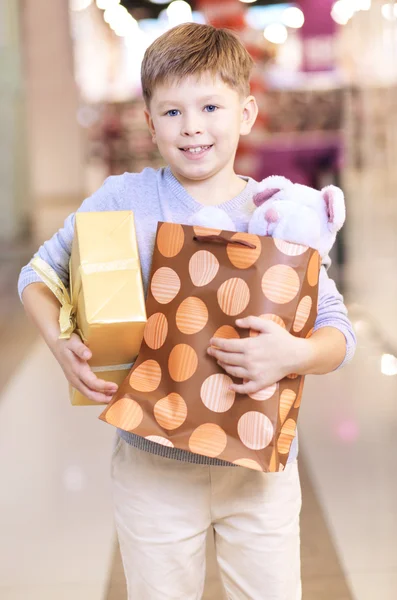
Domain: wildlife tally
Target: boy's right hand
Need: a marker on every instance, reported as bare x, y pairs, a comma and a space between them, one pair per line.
73, 355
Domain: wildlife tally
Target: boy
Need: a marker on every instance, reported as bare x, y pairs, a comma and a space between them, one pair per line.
196, 88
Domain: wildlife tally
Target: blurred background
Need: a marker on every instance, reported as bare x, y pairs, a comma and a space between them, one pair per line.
71, 113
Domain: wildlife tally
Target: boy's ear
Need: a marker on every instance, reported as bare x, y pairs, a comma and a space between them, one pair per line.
250, 113
149, 122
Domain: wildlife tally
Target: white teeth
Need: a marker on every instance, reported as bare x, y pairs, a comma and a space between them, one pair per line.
197, 150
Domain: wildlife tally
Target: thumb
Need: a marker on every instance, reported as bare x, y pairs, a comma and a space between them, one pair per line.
258, 324
78, 348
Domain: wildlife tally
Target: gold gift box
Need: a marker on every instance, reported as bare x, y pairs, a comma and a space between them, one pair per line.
107, 292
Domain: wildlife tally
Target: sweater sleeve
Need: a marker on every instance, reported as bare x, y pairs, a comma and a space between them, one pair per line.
56, 251
332, 312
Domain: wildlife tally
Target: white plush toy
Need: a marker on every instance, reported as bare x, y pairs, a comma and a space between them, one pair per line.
211, 216
297, 213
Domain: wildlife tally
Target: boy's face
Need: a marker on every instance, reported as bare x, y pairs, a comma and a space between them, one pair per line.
197, 123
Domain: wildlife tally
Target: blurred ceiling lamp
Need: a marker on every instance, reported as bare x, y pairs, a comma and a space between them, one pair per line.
248, 1
276, 33
179, 12
120, 20
342, 11
78, 5
388, 364
159, 1
293, 17
363, 4
389, 11
105, 4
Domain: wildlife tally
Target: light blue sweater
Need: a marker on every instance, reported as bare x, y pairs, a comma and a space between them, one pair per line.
158, 196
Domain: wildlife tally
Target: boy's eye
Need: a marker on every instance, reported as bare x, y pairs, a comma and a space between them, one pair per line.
211, 108
172, 113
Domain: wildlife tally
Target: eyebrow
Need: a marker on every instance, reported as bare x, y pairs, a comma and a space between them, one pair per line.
203, 100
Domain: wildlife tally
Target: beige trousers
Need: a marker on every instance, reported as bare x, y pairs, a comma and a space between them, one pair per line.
163, 509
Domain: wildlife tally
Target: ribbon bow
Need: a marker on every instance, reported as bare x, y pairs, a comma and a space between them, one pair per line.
67, 314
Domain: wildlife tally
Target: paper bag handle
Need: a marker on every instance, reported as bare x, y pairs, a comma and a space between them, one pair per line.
219, 239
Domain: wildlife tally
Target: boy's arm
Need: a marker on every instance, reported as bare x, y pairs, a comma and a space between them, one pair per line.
333, 342
43, 307
267, 358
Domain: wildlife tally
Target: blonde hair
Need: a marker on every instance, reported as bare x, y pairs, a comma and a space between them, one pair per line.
193, 49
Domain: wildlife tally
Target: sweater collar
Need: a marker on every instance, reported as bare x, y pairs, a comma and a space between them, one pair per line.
191, 204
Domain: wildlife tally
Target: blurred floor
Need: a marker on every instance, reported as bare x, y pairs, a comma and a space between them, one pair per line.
57, 536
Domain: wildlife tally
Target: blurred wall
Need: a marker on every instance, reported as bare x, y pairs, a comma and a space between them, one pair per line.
55, 143
14, 202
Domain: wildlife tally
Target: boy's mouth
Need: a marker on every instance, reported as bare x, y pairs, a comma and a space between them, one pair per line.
195, 151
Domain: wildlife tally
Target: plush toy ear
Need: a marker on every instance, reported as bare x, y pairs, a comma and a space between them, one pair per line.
262, 197
334, 206
269, 187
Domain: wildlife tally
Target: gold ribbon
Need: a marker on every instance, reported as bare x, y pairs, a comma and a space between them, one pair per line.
67, 313
110, 368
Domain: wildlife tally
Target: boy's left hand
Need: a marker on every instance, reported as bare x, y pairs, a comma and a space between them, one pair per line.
260, 361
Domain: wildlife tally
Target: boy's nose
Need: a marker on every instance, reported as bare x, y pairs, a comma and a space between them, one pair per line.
272, 216
190, 131
191, 127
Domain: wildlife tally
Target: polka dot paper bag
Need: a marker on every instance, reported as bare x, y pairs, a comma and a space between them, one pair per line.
177, 395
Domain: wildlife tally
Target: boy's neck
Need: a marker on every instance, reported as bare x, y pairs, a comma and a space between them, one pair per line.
214, 190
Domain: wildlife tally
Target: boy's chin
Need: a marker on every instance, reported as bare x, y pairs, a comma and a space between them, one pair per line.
195, 172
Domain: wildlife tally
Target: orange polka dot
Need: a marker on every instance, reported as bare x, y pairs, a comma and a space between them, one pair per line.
293, 376
160, 440
215, 393
265, 394
313, 269
280, 284
146, 377
170, 239
170, 412
273, 462
287, 399
243, 257
182, 363
156, 331
288, 248
300, 393
203, 268
233, 296
226, 332
255, 430
286, 436
310, 333
198, 230
125, 413
165, 285
191, 316
248, 463
302, 313
208, 439
269, 317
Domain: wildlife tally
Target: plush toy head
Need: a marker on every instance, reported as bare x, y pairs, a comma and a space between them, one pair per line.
211, 216
297, 213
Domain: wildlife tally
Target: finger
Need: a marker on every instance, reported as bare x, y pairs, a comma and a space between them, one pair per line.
78, 348
93, 382
258, 324
228, 345
234, 371
247, 387
91, 394
228, 358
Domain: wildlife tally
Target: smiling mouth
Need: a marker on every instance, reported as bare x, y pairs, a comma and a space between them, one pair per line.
195, 149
